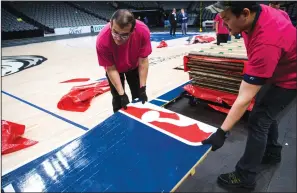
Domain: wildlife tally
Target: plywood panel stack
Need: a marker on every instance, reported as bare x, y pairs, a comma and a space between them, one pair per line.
218, 67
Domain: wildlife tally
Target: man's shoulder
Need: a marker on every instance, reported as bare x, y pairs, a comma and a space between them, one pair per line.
103, 36
268, 29
141, 28
283, 12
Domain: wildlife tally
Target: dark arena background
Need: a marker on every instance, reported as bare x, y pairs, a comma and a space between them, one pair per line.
41, 19
59, 132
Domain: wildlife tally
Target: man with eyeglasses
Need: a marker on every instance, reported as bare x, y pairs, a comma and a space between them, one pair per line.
269, 77
123, 47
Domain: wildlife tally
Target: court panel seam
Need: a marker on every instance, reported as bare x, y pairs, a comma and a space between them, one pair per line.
48, 112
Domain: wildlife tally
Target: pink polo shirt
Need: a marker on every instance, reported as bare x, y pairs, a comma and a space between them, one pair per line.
124, 57
271, 49
285, 14
222, 29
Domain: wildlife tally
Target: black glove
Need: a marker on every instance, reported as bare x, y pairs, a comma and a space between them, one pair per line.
217, 139
124, 101
142, 94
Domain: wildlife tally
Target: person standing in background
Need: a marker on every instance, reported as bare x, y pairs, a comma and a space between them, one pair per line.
173, 22
221, 30
184, 21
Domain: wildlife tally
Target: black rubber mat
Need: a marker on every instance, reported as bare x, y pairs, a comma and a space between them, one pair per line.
281, 177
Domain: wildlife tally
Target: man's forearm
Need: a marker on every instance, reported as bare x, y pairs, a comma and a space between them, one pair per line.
236, 112
245, 95
115, 79
143, 71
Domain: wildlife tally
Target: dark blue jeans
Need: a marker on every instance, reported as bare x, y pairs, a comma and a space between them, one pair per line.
263, 128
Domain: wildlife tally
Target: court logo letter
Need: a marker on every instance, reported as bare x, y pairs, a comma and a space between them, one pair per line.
14, 64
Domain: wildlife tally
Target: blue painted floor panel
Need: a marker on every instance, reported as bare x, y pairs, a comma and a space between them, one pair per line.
120, 154
158, 103
160, 37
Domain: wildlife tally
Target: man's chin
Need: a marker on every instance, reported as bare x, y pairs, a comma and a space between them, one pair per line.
235, 33
119, 42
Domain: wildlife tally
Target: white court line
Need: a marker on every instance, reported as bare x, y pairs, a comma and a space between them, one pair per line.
161, 100
8, 188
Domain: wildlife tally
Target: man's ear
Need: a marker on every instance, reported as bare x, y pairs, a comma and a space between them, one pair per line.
246, 12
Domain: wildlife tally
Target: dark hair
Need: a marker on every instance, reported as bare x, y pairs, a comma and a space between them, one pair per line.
123, 18
274, 2
237, 7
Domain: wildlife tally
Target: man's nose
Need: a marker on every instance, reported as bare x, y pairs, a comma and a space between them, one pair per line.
118, 38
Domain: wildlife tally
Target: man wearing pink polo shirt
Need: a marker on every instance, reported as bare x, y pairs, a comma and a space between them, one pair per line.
221, 30
270, 76
123, 47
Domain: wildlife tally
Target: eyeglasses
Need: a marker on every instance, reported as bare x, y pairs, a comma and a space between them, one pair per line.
120, 36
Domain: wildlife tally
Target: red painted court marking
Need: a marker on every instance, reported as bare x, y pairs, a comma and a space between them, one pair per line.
76, 80
168, 122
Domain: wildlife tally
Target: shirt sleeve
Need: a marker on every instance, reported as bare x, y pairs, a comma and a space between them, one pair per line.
262, 62
146, 46
105, 57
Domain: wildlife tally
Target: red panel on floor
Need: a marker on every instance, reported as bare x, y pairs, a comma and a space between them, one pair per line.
79, 98
11, 137
76, 80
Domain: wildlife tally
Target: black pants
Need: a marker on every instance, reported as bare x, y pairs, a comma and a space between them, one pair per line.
222, 38
263, 128
133, 82
173, 29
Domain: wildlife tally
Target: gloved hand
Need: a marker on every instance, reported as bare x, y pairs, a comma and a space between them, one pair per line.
124, 101
142, 94
217, 139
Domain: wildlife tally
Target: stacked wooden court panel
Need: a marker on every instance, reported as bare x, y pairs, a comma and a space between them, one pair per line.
217, 67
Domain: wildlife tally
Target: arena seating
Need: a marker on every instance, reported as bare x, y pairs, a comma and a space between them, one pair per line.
97, 7
207, 15
149, 4
43, 17
139, 5
56, 14
192, 18
292, 10
136, 4
169, 5
9, 23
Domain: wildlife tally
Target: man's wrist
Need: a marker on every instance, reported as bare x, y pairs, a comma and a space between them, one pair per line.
122, 92
226, 132
142, 88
